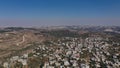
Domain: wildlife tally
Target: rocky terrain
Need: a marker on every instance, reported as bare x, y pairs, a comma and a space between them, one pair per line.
13, 41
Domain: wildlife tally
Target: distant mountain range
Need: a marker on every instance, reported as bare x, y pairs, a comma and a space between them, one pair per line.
115, 29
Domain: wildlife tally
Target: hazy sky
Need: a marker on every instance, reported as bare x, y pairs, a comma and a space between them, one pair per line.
59, 12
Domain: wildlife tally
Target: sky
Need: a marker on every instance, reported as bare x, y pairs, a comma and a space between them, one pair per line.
35, 13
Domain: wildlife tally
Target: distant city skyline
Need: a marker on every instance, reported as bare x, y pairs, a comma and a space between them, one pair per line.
35, 13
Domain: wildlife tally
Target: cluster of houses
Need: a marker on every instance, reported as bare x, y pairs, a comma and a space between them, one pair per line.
68, 52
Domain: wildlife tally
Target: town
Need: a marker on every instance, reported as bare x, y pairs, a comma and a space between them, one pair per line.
93, 51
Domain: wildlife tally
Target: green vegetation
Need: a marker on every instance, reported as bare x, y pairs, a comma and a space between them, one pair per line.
63, 33
33, 62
